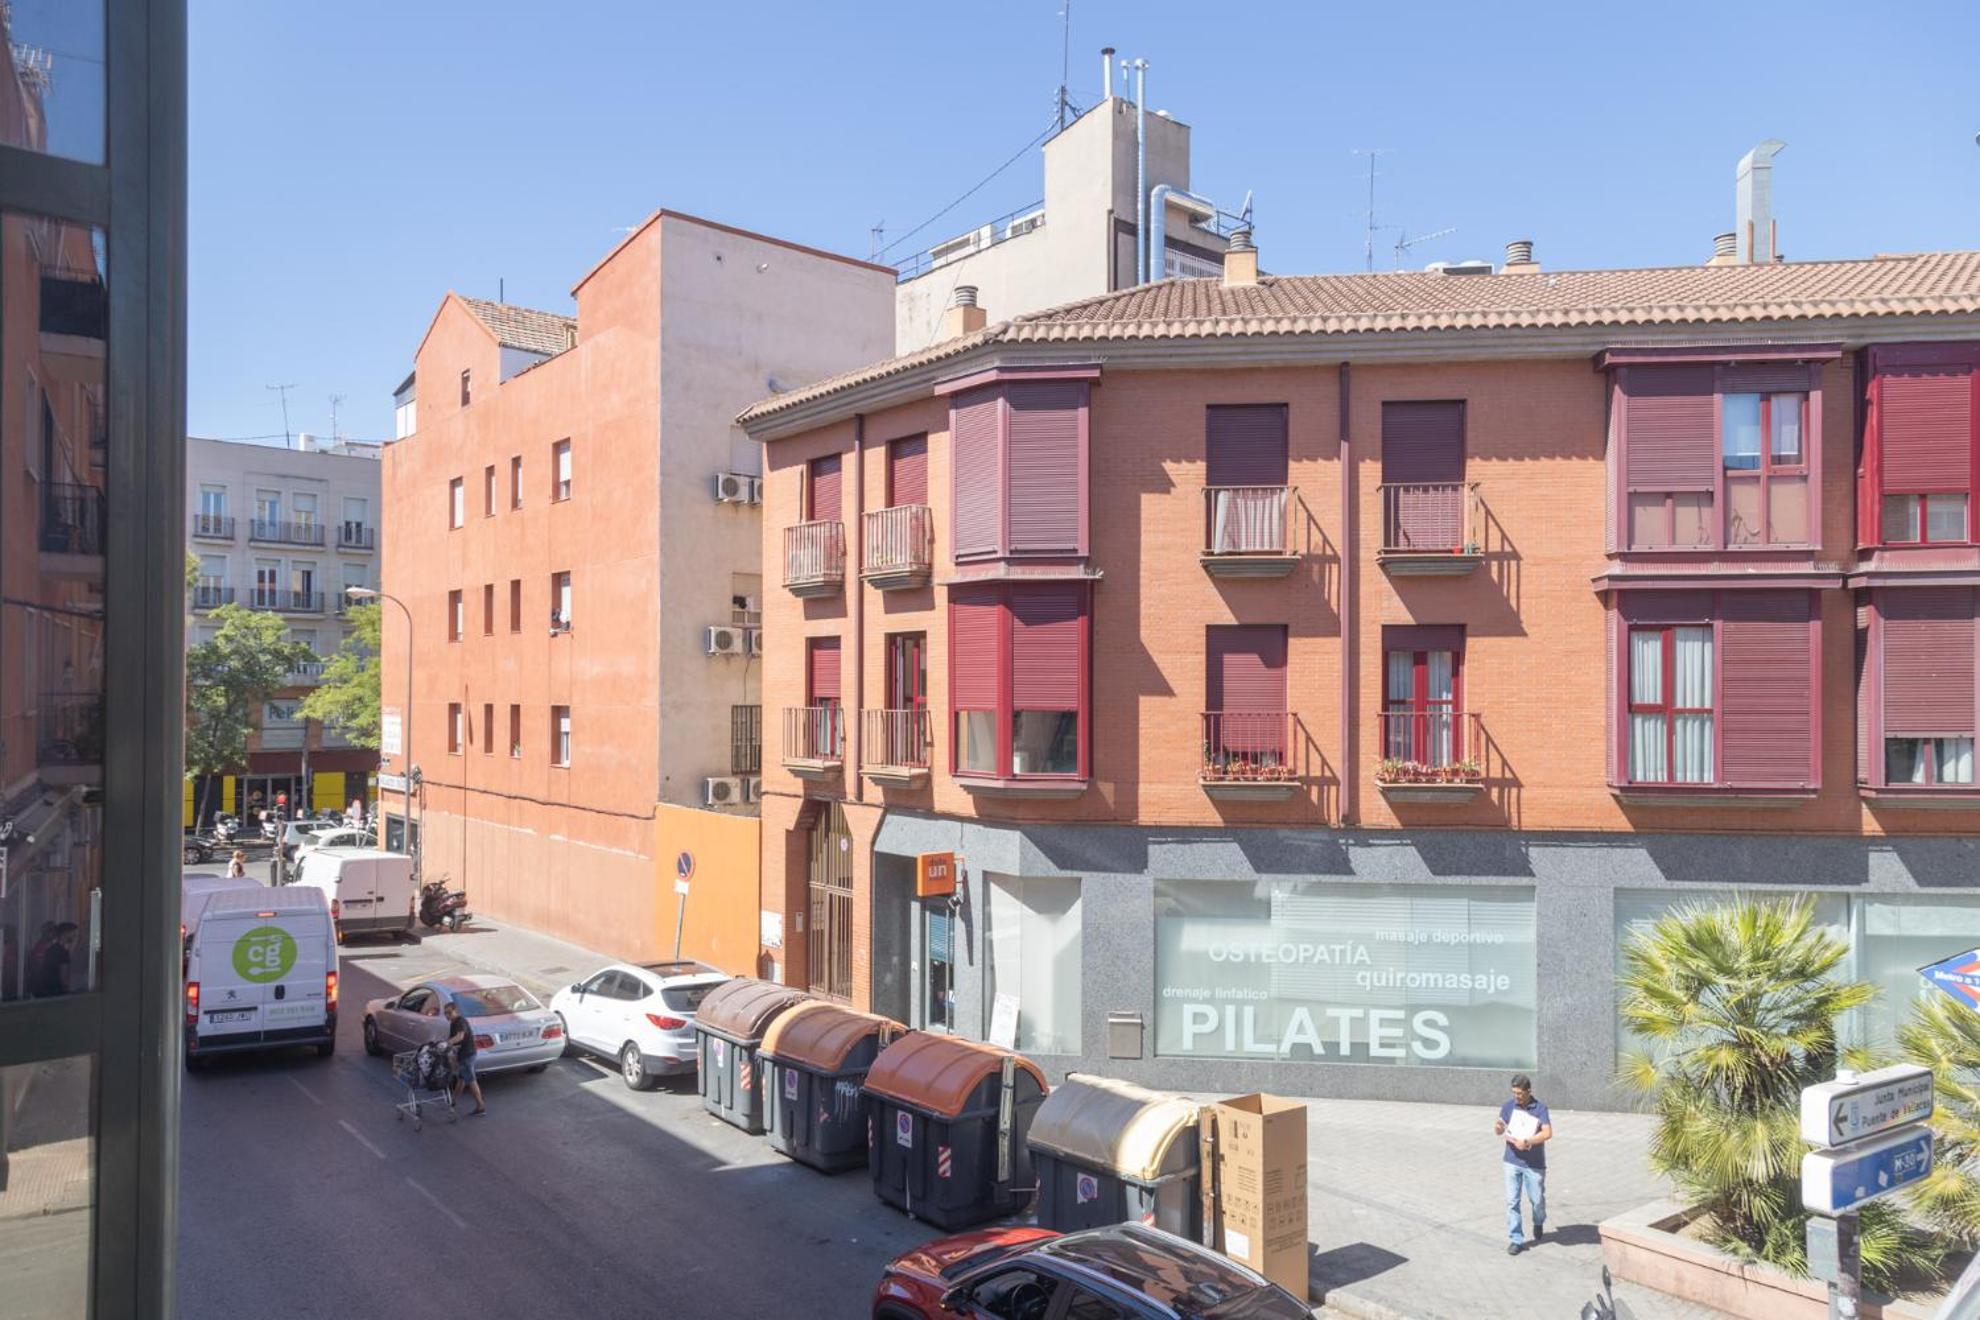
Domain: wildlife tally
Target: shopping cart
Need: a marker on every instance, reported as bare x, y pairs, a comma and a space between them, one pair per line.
428, 1074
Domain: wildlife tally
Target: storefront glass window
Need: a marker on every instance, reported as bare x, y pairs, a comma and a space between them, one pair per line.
1895, 936
1033, 938
1314, 971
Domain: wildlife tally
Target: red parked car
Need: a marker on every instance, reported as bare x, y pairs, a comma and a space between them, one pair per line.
1116, 1273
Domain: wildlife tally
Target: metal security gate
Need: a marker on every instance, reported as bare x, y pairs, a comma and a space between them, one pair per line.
831, 880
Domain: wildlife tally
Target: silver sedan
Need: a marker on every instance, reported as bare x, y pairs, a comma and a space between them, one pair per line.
511, 1028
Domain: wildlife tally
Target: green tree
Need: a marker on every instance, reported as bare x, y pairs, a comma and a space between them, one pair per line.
1738, 1005
347, 698
192, 572
1944, 1035
228, 679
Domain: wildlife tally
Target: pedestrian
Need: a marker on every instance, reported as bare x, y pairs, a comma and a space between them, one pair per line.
281, 806
1527, 1127
237, 868
50, 977
460, 1039
36, 952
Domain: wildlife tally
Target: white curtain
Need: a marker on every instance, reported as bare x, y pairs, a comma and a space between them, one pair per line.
1692, 679
1401, 740
1438, 736
1247, 519
1646, 688
1955, 760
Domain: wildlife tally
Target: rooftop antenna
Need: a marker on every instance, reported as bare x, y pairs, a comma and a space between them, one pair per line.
283, 390
873, 237
335, 399
1405, 240
501, 289
1065, 62
1371, 153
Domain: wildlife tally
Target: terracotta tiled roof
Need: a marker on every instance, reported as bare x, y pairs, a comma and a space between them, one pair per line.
1920, 284
524, 327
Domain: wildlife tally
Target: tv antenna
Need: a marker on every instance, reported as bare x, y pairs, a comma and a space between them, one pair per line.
1405, 240
1372, 153
283, 390
335, 399
1065, 63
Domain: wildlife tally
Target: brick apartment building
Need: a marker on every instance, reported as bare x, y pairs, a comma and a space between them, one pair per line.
571, 527
1315, 677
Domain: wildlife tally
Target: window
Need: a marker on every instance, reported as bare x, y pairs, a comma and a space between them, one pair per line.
560, 602
302, 583
1015, 1294
560, 735
456, 727
456, 503
1245, 476
1018, 470
1244, 700
515, 482
1670, 705
1766, 468
1921, 685
515, 605
1945, 760
1921, 518
213, 502
467, 388
456, 616
1018, 695
1918, 445
488, 728
1422, 706
488, 491
1034, 947
823, 498
305, 510
268, 506
353, 577
267, 583
515, 732
907, 471
560, 470
488, 610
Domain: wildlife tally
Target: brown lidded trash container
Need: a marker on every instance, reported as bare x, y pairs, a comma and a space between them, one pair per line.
946, 1128
1110, 1152
728, 1027
814, 1059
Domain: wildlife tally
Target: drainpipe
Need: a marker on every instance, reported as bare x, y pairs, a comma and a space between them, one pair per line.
1158, 206
1140, 171
856, 590
1350, 541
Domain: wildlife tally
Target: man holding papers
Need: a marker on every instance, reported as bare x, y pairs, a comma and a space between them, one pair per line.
1526, 1126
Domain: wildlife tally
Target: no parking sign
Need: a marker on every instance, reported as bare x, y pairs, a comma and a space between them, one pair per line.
904, 1128
1086, 1188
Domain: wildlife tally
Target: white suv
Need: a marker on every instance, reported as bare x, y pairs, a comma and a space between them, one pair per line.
639, 1014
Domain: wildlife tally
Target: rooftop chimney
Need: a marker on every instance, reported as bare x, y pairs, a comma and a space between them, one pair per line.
1106, 73
1725, 249
1240, 261
1757, 232
962, 316
1519, 258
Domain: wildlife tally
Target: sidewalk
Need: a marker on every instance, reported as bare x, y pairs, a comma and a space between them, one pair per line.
1405, 1201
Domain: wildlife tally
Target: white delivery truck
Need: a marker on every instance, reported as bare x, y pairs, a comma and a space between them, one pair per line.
261, 973
370, 891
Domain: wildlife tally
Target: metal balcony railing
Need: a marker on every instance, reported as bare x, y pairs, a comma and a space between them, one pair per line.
211, 595
286, 533
286, 600
1435, 746
1247, 520
1015, 224
1247, 745
1431, 518
745, 740
900, 541
72, 519
213, 526
356, 536
896, 739
69, 728
814, 733
814, 555
305, 674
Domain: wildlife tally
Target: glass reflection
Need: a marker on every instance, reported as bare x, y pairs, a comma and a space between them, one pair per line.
46, 1188
52, 97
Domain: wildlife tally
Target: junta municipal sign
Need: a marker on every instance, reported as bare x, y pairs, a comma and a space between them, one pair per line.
1833, 1113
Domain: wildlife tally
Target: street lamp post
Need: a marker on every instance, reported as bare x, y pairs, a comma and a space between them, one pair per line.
416, 843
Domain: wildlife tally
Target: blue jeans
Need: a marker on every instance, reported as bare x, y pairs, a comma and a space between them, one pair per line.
1534, 1181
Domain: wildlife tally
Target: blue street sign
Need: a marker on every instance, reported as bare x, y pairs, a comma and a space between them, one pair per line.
1844, 1177
1958, 976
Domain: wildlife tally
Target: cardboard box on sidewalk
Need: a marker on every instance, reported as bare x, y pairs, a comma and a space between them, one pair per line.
1254, 1185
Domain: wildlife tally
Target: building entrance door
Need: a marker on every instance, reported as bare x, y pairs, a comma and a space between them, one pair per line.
829, 932
938, 980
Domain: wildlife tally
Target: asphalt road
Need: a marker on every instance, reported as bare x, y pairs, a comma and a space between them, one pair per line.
303, 1195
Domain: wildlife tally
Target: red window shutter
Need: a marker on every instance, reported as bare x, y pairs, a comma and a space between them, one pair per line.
1422, 443
1668, 428
822, 671
1045, 651
1764, 676
1045, 478
977, 491
824, 504
907, 471
1666, 607
1246, 668
1764, 378
973, 651
1927, 660
1863, 691
1245, 444
1925, 419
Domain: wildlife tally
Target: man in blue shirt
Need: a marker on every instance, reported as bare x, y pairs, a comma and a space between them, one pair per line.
1526, 1127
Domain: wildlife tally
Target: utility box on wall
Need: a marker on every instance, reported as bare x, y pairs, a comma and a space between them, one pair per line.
1254, 1185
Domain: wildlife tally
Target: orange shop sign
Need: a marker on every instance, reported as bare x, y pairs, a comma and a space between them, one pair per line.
934, 874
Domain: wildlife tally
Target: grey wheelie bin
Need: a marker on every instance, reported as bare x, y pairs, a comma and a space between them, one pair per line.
948, 1121
728, 1027
814, 1059
1110, 1152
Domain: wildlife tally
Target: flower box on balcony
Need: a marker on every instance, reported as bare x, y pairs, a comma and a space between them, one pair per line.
1414, 781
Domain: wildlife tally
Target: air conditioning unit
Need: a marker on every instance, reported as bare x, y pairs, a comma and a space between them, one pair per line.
725, 641
1024, 224
753, 640
752, 788
725, 791
756, 490
733, 488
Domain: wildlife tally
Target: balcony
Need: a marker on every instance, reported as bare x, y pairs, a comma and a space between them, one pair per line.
900, 547
1431, 529
284, 601
69, 729
1431, 756
307, 674
1248, 755
211, 596
814, 740
212, 527
271, 532
815, 558
72, 520
356, 536
1247, 531
894, 747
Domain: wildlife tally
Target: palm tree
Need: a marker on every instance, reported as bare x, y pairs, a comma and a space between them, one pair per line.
1944, 1035
1738, 1003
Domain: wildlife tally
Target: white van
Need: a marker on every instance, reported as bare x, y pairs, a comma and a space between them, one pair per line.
261, 973
371, 891
196, 890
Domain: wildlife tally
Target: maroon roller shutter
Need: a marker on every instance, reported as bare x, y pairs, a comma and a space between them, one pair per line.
1863, 690
1765, 668
1667, 428
1665, 607
822, 671
1246, 668
1044, 476
823, 498
1045, 651
1764, 378
907, 471
1245, 444
973, 468
1422, 443
1925, 422
973, 663
1927, 660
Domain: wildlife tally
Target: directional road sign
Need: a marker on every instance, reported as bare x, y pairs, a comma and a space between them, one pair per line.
1834, 1181
1958, 976
1854, 1107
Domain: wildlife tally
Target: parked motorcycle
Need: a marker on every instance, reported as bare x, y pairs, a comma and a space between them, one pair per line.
441, 906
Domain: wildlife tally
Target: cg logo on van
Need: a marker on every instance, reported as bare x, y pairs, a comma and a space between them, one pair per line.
265, 953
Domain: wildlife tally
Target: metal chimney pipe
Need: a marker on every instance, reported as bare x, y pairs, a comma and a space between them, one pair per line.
1141, 171
1754, 189
1106, 73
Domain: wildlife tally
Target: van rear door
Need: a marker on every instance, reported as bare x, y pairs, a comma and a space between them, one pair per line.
357, 891
294, 997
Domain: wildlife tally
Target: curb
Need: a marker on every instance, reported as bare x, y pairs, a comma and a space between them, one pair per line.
1340, 1301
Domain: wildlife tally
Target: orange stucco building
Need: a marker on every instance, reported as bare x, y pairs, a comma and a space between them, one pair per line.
570, 527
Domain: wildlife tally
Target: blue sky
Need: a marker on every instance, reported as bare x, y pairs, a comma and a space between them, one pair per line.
351, 162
